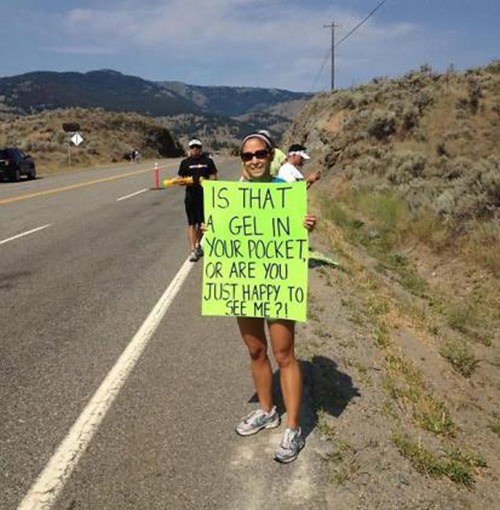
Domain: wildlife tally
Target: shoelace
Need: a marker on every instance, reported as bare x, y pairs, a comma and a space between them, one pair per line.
287, 438
255, 414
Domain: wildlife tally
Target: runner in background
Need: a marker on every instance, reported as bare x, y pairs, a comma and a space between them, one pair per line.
196, 165
291, 170
256, 153
279, 156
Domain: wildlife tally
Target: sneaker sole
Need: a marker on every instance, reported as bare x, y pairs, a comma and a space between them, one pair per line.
253, 432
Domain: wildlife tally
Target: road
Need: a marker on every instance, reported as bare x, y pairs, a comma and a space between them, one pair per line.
85, 259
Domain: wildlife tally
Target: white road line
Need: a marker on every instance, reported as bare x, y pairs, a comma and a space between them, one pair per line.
43, 493
25, 233
132, 194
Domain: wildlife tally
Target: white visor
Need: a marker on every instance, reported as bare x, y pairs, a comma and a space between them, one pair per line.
302, 154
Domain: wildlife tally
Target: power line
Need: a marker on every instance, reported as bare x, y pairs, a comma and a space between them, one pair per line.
321, 69
361, 23
330, 50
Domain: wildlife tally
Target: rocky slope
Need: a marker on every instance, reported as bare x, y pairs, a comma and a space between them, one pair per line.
433, 138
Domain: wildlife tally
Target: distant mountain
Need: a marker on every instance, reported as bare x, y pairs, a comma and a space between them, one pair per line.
218, 133
113, 91
232, 101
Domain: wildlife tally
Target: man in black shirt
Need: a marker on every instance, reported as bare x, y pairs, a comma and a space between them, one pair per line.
196, 165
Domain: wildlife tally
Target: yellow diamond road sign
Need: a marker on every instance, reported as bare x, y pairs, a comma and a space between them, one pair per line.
77, 139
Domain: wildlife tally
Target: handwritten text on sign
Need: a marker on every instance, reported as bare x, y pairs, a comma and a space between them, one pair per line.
256, 250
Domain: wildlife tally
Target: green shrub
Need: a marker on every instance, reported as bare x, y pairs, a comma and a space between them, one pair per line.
423, 100
407, 166
382, 124
494, 67
460, 357
455, 168
474, 91
370, 165
410, 118
476, 194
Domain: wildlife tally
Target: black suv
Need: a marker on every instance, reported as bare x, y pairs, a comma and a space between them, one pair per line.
14, 163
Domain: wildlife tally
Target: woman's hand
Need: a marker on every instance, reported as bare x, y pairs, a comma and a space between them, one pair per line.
310, 222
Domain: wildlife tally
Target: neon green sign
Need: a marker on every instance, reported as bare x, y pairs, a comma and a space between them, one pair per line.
256, 250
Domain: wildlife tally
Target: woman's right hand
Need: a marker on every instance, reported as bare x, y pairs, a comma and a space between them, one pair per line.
310, 222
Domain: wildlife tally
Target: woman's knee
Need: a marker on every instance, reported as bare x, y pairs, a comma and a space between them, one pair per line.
284, 357
257, 352
254, 336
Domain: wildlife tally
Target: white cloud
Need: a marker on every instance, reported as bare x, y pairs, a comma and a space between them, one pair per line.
80, 50
253, 43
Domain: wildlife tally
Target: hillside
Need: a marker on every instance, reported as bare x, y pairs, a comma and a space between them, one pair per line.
233, 101
223, 133
218, 115
114, 91
108, 137
409, 203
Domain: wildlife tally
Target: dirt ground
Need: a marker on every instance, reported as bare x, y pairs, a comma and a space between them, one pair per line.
395, 426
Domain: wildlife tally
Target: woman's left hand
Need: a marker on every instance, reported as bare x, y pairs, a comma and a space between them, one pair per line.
310, 222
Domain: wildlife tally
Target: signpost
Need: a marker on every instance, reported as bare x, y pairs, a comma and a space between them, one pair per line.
76, 139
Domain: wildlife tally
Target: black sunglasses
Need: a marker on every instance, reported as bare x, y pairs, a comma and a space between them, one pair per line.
260, 154
195, 146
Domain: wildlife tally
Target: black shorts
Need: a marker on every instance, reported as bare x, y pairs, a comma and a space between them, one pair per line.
194, 209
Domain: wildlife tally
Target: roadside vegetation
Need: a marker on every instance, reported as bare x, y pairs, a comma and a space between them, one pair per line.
410, 205
108, 138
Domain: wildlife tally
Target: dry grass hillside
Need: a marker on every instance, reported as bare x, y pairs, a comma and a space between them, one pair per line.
108, 137
410, 204
224, 134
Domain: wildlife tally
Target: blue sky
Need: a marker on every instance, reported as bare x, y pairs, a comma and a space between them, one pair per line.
266, 43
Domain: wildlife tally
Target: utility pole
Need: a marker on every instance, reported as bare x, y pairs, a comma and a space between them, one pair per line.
332, 26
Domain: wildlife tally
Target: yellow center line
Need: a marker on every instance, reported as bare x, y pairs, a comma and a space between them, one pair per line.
71, 187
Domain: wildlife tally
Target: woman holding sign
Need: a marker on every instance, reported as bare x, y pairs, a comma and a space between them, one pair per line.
257, 153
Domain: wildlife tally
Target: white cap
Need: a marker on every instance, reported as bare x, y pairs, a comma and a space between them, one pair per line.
195, 141
298, 150
302, 154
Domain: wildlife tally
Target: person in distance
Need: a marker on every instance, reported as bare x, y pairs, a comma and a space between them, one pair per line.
196, 165
290, 171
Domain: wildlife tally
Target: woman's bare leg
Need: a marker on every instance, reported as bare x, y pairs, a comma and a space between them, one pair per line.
282, 340
254, 335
